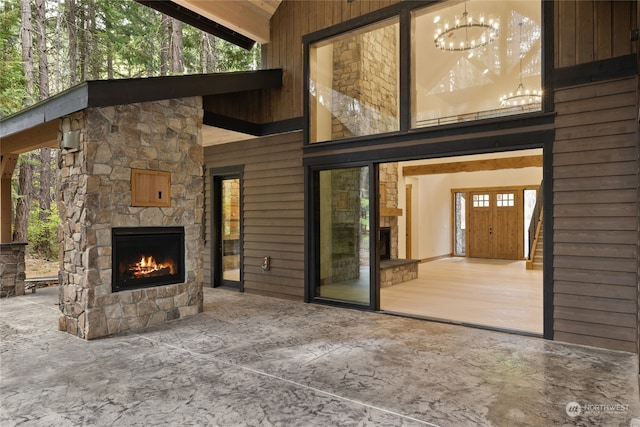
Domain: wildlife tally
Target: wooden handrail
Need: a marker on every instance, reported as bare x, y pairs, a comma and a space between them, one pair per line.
534, 245
535, 219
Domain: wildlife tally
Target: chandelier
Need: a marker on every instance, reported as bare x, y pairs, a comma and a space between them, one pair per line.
470, 32
521, 96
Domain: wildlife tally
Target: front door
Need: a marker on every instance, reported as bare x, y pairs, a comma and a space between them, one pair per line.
227, 231
495, 224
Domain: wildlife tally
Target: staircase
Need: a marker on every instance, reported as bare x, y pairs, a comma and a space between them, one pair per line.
535, 258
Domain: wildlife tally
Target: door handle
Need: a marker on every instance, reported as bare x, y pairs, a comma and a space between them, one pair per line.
490, 230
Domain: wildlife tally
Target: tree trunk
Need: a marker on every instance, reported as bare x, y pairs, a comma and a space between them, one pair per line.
26, 31
44, 192
176, 47
25, 180
109, 60
93, 57
73, 51
41, 42
57, 83
208, 53
84, 44
46, 179
165, 26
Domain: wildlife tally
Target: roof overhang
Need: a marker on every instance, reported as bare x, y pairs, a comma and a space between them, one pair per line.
241, 22
36, 127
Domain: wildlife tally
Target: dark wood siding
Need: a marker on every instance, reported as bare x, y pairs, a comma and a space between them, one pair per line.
595, 169
584, 31
292, 20
593, 30
272, 210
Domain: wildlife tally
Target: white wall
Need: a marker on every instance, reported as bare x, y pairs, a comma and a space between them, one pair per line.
431, 197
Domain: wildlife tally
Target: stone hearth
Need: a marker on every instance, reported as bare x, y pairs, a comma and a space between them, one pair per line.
94, 196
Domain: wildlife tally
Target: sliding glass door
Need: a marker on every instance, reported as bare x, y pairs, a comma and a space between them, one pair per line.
342, 234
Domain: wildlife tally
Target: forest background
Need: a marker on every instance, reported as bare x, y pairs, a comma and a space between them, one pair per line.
48, 46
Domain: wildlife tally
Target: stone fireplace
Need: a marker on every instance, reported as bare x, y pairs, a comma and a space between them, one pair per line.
384, 243
101, 222
392, 269
145, 257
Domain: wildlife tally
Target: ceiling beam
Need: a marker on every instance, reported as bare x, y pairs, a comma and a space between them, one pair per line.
474, 166
43, 135
7, 165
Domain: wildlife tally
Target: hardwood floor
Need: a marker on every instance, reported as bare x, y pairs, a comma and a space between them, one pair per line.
487, 292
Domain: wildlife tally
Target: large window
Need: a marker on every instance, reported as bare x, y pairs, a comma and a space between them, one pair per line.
353, 83
474, 60
467, 61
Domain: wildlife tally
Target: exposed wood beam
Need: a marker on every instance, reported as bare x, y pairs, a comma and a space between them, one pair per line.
7, 165
237, 15
474, 166
44, 135
5, 210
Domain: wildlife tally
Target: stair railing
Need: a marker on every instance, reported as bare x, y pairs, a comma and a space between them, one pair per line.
535, 219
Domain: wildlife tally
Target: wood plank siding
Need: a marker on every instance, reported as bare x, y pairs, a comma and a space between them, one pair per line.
272, 210
595, 204
595, 268
593, 30
584, 31
292, 20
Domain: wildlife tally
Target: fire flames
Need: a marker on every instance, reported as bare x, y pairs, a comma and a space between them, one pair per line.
148, 267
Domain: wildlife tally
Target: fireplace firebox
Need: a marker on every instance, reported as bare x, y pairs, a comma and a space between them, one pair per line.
384, 243
147, 256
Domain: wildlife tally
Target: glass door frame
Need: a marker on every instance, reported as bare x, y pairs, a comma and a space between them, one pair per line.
312, 236
217, 176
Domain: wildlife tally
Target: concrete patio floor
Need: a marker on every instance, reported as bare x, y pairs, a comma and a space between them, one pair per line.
257, 361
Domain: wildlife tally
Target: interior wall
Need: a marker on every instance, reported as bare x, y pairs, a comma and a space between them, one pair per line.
432, 205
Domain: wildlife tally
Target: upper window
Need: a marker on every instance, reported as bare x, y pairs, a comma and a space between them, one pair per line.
353, 83
468, 60
475, 59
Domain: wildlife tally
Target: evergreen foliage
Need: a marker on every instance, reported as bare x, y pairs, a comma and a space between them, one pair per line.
92, 40
42, 234
12, 85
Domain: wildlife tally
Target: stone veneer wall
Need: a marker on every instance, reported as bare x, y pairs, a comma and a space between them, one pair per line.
94, 195
388, 175
12, 269
365, 81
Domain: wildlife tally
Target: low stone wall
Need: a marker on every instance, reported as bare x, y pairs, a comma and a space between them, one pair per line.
12, 268
394, 271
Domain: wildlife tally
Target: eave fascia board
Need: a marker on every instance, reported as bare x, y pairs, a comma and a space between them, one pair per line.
64, 103
103, 93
